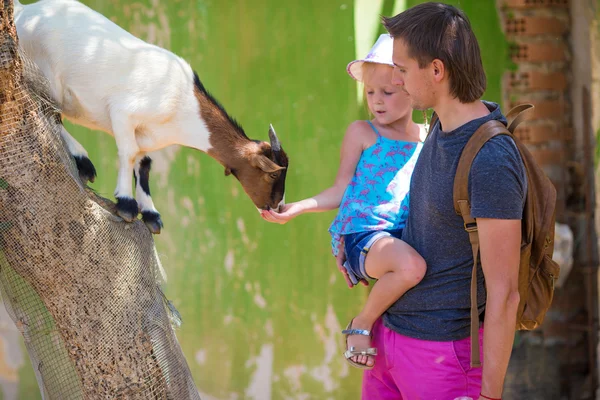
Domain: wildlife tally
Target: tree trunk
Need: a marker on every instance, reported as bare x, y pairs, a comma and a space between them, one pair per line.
81, 285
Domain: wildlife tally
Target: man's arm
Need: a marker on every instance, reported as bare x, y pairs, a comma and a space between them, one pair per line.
500, 243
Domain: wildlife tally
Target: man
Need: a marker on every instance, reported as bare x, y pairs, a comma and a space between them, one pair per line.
423, 342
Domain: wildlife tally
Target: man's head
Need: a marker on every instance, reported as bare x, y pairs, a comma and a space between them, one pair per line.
436, 54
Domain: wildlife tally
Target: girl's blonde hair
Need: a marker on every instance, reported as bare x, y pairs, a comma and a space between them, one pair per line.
368, 68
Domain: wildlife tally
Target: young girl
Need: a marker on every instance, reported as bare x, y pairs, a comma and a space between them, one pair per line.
371, 191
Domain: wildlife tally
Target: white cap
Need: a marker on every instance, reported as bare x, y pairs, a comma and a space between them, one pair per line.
380, 53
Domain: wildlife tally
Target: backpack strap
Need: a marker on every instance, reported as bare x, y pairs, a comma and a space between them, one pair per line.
475, 143
515, 116
462, 205
434, 119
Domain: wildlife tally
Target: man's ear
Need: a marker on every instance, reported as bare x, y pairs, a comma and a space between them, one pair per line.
439, 70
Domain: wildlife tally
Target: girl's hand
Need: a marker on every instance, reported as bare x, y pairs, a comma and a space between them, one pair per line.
285, 214
340, 259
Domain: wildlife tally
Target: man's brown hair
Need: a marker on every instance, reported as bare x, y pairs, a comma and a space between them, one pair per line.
436, 30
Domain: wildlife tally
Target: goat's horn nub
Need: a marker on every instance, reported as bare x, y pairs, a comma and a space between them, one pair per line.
275, 145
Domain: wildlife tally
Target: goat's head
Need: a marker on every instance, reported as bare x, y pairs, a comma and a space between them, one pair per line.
263, 172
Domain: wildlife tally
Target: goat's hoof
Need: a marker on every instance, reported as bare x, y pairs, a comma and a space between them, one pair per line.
152, 221
87, 171
127, 208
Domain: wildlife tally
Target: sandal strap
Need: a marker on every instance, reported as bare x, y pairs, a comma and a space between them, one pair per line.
362, 332
351, 352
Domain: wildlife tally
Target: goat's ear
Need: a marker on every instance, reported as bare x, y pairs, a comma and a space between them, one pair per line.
227, 171
264, 163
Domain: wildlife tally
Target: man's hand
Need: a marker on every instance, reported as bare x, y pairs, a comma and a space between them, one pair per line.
340, 259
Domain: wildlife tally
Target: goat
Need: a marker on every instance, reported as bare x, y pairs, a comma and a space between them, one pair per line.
148, 98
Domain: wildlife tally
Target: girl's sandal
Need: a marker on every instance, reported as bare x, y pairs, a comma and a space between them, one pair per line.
352, 351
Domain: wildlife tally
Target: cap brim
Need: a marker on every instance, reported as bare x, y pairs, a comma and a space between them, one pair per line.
354, 69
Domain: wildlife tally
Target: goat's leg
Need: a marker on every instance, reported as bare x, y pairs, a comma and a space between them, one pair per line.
150, 215
87, 171
127, 147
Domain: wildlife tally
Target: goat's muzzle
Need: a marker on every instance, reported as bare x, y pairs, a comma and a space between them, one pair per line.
277, 209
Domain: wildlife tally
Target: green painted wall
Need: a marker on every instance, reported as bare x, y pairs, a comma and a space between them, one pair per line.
262, 304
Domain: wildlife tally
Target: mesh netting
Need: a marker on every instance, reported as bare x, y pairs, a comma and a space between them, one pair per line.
81, 285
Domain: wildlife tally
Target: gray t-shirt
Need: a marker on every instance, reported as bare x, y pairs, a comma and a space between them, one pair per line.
438, 308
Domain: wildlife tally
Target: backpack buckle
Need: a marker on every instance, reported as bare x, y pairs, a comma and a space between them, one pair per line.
470, 226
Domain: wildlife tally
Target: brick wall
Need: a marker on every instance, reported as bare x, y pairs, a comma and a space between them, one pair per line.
550, 51
537, 31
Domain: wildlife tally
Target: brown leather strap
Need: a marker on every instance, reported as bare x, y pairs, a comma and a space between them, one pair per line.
462, 205
479, 138
463, 208
471, 227
434, 119
485, 132
515, 116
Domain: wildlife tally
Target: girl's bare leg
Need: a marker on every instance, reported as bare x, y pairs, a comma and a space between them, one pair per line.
397, 268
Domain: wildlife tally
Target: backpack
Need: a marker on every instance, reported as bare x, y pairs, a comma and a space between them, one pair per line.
537, 270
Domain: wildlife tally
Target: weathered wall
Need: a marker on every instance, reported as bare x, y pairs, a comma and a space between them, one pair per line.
584, 86
262, 305
594, 29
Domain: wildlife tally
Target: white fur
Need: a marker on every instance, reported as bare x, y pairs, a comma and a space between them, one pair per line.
107, 79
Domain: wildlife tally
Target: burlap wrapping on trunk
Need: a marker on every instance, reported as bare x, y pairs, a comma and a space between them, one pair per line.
82, 286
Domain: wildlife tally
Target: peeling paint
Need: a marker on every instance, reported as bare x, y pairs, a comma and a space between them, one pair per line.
269, 328
193, 166
228, 319
329, 335
187, 204
235, 191
205, 396
299, 396
294, 374
260, 382
259, 300
333, 278
229, 261
200, 357
242, 229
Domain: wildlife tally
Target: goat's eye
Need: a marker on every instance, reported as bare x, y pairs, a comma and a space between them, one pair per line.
274, 175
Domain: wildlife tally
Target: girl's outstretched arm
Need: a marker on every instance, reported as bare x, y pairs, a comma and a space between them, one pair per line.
355, 141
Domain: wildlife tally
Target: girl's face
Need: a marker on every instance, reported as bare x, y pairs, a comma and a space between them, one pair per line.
387, 102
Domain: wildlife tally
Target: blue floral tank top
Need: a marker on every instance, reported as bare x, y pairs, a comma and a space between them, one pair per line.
377, 196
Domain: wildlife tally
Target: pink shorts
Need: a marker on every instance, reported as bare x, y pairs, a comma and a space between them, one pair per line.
413, 369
